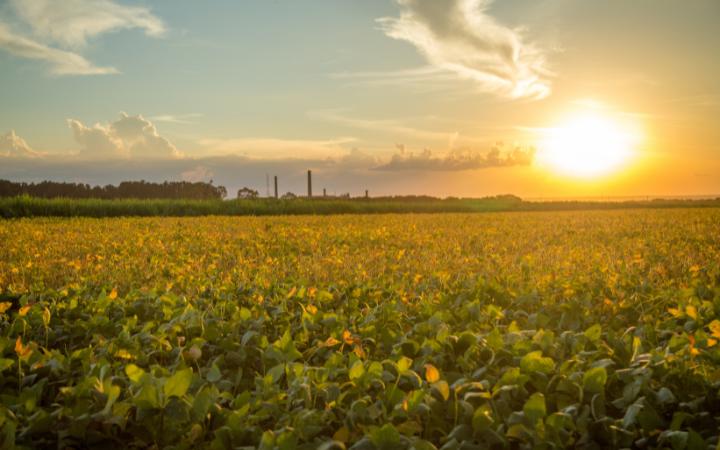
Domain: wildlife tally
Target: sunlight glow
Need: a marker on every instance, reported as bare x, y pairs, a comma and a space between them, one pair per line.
588, 146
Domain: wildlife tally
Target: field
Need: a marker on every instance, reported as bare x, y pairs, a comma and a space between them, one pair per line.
590, 329
24, 206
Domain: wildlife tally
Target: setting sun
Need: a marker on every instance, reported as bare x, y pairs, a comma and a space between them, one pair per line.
588, 146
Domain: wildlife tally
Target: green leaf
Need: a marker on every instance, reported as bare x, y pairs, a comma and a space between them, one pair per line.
357, 370
593, 333
535, 362
386, 437
482, 418
594, 380
5, 363
534, 408
178, 384
214, 375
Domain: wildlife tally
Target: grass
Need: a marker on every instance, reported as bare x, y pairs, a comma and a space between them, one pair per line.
24, 206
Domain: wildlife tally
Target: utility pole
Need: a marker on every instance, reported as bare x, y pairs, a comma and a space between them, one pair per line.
324, 193
276, 191
309, 183
367, 194
267, 185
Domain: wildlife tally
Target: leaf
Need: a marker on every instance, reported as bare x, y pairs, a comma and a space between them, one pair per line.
535, 362
593, 333
404, 364
134, 373
4, 306
178, 384
214, 375
342, 434
24, 310
5, 363
431, 373
594, 380
443, 388
386, 437
113, 294
46, 317
691, 311
357, 370
482, 418
715, 328
534, 408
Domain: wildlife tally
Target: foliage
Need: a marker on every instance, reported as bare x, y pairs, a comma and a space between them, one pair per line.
16, 207
509, 330
126, 189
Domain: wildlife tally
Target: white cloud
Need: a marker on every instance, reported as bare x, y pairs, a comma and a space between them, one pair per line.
456, 160
129, 136
59, 29
62, 62
70, 23
460, 36
13, 146
197, 173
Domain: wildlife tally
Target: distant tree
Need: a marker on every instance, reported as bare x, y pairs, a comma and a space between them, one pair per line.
247, 193
127, 189
289, 196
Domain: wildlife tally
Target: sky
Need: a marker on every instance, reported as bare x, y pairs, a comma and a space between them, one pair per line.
537, 98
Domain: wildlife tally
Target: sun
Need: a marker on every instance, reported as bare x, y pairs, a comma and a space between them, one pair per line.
589, 145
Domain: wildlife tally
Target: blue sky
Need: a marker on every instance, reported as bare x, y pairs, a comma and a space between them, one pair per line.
446, 97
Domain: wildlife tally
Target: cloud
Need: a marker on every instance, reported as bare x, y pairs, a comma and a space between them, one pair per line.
385, 126
276, 148
62, 62
70, 23
197, 173
127, 137
13, 146
460, 36
59, 29
182, 119
456, 160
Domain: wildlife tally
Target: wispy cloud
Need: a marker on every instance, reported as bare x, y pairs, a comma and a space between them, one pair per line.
70, 23
387, 126
276, 148
61, 29
61, 62
461, 37
182, 119
457, 160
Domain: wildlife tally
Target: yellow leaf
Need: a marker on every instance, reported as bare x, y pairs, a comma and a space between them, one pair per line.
312, 309
691, 311
711, 342
431, 373
331, 342
347, 337
123, 354
292, 292
22, 351
4, 306
674, 311
113, 294
24, 310
715, 328
342, 435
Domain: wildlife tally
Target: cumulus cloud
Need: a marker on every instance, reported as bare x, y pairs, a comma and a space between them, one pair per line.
13, 146
60, 29
460, 36
129, 136
456, 160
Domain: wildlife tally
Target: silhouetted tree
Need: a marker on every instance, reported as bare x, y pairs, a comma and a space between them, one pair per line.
246, 193
127, 189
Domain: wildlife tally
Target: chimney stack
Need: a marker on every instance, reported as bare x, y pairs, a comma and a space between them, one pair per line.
276, 192
309, 183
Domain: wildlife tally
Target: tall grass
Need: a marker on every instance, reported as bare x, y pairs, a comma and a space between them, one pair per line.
14, 207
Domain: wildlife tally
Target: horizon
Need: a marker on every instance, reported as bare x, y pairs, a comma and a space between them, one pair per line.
465, 98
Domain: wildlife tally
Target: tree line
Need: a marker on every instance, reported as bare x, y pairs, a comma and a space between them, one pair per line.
126, 189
